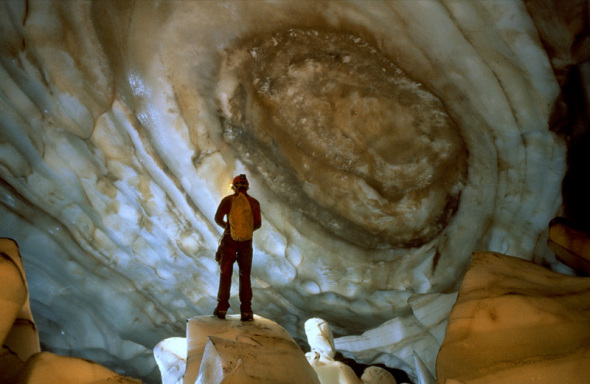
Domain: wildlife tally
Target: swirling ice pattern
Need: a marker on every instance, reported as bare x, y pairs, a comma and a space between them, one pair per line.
385, 140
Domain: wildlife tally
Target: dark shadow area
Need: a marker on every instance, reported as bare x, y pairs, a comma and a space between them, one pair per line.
572, 124
400, 376
570, 244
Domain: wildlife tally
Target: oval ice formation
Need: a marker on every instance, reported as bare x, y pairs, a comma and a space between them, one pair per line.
392, 161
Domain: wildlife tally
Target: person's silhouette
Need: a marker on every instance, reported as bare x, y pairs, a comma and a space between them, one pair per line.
243, 218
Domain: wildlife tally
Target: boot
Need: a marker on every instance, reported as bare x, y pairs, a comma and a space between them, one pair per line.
219, 314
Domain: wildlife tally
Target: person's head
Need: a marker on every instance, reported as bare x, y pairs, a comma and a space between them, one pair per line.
240, 183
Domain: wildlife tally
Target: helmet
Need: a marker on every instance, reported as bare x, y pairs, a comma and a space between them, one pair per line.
240, 183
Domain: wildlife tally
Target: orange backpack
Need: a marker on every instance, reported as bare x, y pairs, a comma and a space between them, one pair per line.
241, 220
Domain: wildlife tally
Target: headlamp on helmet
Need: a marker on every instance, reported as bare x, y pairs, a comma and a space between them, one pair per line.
240, 183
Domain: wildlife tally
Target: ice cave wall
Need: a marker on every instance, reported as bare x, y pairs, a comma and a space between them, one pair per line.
385, 140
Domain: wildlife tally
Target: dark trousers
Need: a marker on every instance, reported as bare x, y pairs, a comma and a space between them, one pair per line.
232, 251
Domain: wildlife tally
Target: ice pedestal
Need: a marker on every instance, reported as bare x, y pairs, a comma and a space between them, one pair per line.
249, 352
321, 356
517, 322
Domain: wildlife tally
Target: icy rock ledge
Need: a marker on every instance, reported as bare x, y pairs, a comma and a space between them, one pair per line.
517, 322
247, 352
21, 359
216, 351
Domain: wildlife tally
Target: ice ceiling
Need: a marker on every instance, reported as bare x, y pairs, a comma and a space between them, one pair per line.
385, 140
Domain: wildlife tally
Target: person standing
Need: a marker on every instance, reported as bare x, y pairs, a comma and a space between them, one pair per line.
239, 215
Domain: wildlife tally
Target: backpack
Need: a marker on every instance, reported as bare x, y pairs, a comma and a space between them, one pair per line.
241, 220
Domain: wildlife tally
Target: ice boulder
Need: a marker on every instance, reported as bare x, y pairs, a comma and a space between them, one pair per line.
517, 322
217, 351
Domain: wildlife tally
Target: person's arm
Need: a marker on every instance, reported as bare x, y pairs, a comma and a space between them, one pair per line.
255, 205
223, 210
